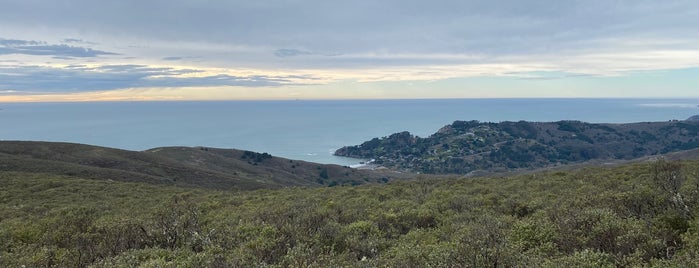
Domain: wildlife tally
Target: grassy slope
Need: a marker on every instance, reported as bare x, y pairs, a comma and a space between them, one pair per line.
596, 217
183, 166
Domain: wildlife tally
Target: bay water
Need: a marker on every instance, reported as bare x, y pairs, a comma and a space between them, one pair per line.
309, 130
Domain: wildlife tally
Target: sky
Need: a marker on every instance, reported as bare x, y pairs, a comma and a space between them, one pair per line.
86, 50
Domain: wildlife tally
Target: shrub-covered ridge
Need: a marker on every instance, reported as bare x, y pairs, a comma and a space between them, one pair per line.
642, 214
470, 146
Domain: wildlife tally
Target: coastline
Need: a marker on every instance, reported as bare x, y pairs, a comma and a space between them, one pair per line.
301, 130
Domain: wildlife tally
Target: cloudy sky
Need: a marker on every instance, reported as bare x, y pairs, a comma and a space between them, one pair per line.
74, 50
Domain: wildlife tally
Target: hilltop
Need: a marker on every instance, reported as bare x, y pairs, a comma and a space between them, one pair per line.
201, 167
475, 147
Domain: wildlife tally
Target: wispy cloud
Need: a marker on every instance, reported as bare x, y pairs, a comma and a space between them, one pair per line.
78, 41
81, 78
287, 52
28, 47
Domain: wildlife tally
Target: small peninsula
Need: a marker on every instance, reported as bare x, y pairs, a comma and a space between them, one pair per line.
472, 146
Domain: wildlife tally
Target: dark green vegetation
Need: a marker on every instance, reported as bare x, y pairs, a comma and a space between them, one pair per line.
472, 146
182, 166
633, 215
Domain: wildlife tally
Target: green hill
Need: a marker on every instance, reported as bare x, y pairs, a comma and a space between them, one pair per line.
472, 146
182, 166
640, 215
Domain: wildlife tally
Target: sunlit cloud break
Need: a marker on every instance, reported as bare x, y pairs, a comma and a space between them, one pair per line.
76, 78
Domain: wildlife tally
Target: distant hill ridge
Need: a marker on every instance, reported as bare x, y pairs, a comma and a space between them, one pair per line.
471, 146
202, 167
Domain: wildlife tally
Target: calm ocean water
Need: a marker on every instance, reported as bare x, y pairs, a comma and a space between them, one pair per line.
305, 130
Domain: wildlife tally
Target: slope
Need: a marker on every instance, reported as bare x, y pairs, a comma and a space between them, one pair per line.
183, 166
622, 216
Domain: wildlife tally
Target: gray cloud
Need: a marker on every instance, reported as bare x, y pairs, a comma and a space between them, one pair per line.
81, 78
12, 46
364, 34
390, 26
183, 58
13, 42
78, 41
286, 52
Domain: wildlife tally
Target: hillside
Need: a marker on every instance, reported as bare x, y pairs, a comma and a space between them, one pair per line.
640, 215
472, 146
182, 166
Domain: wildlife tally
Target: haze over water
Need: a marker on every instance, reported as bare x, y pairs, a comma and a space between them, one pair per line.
304, 130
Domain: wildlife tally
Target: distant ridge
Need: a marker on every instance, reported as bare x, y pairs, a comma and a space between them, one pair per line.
693, 118
466, 147
226, 169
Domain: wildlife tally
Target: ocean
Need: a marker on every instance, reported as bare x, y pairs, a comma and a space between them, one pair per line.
301, 129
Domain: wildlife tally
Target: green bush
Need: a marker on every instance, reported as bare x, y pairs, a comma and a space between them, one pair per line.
594, 217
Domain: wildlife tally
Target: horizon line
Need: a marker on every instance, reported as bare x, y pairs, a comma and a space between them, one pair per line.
349, 99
